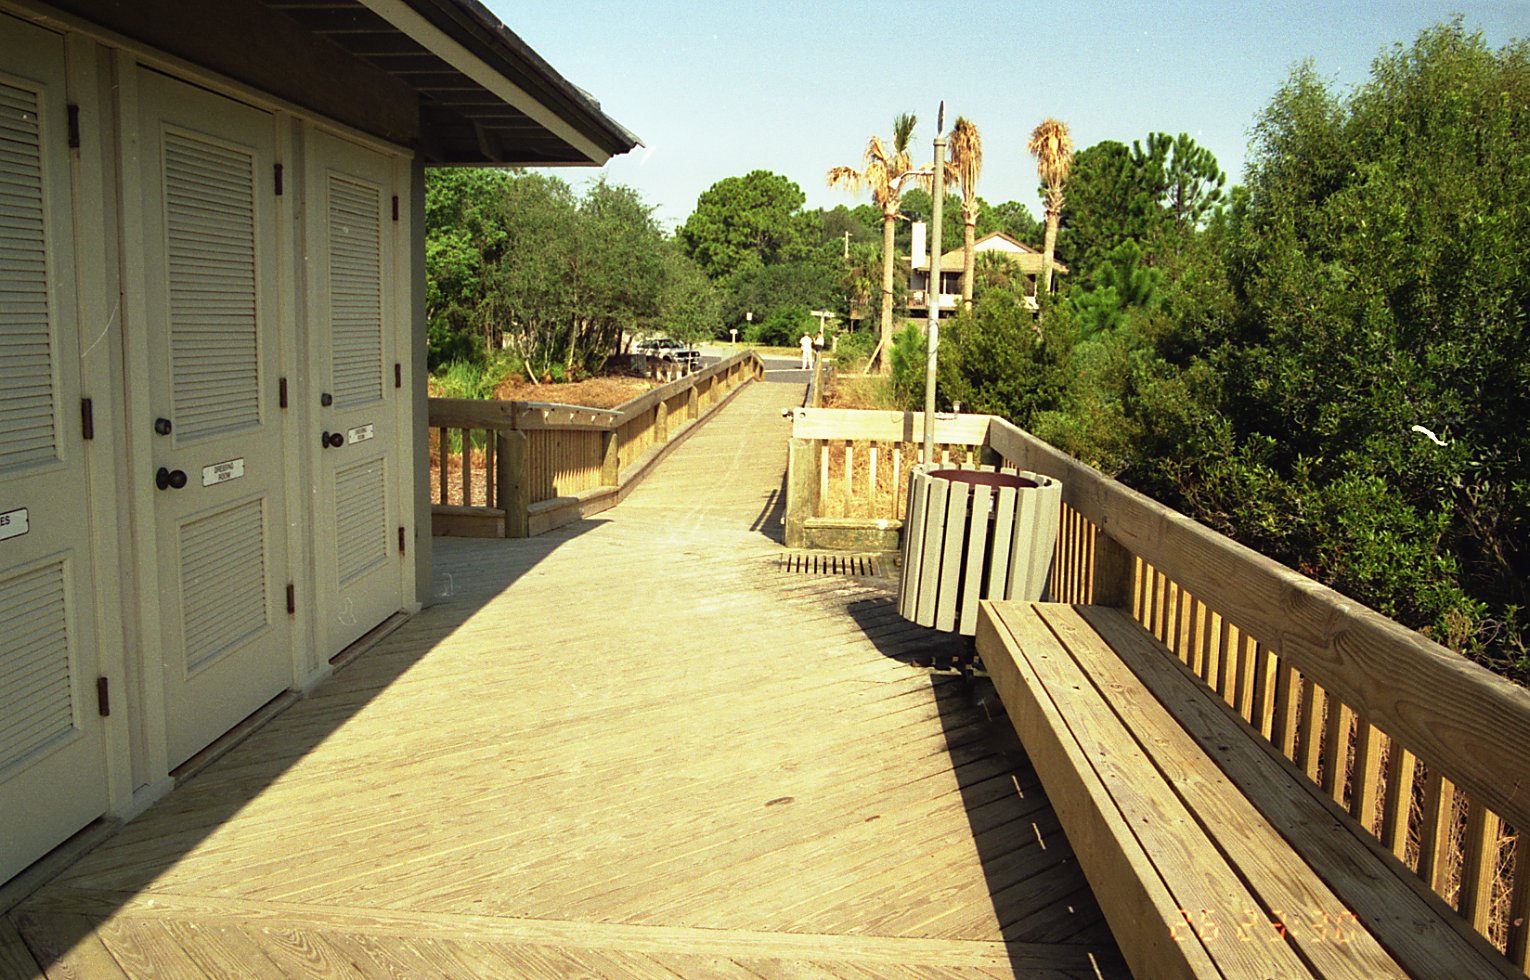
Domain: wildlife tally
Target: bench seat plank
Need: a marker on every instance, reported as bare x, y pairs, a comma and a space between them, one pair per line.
1136, 841
1394, 905
1279, 879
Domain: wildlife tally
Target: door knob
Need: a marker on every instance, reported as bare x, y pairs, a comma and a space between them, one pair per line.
331, 439
162, 426
170, 479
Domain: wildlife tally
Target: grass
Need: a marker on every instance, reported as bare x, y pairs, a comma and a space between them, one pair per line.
864, 391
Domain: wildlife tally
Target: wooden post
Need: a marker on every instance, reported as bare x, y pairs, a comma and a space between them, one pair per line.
1113, 571
611, 463
661, 422
802, 465
693, 404
513, 478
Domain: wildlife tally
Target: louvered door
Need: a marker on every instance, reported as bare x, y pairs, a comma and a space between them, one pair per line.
351, 315
210, 287
52, 767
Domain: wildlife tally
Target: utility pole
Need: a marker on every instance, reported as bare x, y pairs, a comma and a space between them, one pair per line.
934, 291
847, 244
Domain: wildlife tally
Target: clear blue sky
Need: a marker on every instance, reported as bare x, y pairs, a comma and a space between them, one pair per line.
716, 89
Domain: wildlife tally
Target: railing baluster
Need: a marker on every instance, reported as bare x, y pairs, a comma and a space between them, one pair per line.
1365, 775
1336, 748
1288, 682
1434, 834
874, 489
823, 473
444, 447
1230, 671
1479, 864
488, 469
467, 467
1519, 903
1397, 799
849, 478
1193, 636
1261, 708
1309, 757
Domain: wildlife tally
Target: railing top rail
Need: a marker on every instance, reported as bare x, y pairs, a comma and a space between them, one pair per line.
473, 413
636, 406
849, 423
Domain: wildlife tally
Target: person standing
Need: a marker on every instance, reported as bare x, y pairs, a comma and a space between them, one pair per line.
806, 343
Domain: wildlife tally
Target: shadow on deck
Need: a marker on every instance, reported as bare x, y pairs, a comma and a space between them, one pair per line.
633, 746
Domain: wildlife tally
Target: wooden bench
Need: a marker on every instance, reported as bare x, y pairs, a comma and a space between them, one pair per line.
1208, 851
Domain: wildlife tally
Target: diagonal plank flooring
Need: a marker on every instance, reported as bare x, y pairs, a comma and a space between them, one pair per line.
635, 746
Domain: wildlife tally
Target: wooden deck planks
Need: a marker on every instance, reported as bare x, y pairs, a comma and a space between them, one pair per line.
632, 746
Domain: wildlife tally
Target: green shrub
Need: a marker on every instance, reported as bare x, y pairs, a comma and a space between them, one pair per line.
783, 328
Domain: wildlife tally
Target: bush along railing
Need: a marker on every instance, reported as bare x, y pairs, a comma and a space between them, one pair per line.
1422, 749
515, 469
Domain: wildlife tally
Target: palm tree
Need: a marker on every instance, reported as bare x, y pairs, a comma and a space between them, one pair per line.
885, 171
967, 164
1053, 149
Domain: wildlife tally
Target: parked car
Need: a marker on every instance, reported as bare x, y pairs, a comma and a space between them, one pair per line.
666, 349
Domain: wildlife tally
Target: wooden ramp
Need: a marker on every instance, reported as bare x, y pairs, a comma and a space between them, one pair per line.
640, 745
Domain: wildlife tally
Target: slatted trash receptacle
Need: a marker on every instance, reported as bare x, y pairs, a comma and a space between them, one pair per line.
973, 534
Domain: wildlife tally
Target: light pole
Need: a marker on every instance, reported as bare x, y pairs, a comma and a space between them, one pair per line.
933, 305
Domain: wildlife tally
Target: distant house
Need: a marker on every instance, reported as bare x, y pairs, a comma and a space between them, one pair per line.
1026, 259
213, 418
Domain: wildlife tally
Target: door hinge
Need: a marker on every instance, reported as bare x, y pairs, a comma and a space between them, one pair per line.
278, 180
291, 599
87, 419
401, 541
398, 375
103, 697
74, 127
281, 392
395, 207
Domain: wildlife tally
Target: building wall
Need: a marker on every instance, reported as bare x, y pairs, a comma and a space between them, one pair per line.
150, 620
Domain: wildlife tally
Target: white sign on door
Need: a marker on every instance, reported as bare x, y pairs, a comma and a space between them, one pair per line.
359, 434
229, 469
14, 523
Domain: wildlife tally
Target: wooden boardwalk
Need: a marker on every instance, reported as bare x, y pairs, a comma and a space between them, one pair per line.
636, 746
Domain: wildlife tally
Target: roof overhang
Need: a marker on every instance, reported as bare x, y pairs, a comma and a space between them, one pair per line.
485, 96
442, 77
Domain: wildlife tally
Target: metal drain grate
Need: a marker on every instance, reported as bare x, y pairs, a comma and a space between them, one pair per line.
828, 563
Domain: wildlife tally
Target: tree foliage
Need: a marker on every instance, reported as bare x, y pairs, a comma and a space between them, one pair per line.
1329, 363
520, 261
1153, 192
746, 222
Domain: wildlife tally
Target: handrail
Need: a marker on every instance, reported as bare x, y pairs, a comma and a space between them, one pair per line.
1423, 747
530, 466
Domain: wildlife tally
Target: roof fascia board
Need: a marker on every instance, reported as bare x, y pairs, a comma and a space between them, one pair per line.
401, 15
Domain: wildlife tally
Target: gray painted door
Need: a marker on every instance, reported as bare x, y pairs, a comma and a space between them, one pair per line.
351, 314
211, 291
52, 763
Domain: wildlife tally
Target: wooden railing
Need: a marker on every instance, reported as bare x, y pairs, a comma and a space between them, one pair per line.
846, 474
1424, 750
532, 466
